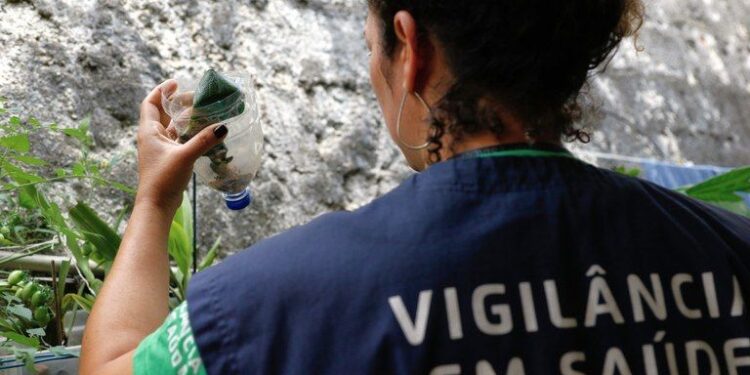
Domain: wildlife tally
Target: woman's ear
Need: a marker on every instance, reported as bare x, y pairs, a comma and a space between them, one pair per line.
407, 56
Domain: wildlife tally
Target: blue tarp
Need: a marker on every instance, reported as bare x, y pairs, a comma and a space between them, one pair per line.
674, 176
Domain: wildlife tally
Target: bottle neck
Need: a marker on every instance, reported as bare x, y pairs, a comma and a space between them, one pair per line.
238, 201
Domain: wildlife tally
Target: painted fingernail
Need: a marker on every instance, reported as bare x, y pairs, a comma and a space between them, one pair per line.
221, 131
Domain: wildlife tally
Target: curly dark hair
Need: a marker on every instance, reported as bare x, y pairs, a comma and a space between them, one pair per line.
531, 56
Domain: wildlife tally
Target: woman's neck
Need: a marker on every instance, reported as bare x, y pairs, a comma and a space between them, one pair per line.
488, 139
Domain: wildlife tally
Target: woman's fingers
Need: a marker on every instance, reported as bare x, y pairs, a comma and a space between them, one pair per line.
182, 118
203, 141
183, 99
155, 123
151, 107
172, 131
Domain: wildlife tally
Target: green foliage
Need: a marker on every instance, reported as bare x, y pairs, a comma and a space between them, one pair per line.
723, 188
81, 133
28, 217
181, 251
84, 301
722, 191
181, 240
27, 178
210, 257
19, 226
31, 222
17, 143
26, 308
631, 172
96, 233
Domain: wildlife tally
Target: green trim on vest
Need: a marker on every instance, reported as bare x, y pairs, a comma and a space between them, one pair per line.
525, 153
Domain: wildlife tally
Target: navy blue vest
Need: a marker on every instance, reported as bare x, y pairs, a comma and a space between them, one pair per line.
489, 266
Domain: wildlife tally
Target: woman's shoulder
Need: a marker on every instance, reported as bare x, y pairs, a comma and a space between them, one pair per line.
330, 235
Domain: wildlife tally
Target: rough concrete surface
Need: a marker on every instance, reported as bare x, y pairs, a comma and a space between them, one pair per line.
685, 97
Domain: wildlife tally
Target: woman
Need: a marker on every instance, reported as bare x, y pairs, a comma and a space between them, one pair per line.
506, 255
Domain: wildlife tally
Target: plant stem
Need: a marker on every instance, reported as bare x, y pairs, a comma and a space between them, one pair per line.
49, 242
39, 247
61, 179
195, 224
58, 309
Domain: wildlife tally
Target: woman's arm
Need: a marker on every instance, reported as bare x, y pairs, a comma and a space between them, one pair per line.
134, 299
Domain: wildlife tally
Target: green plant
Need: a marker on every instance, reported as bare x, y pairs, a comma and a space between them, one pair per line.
19, 227
31, 222
181, 251
723, 190
632, 172
26, 309
104, 241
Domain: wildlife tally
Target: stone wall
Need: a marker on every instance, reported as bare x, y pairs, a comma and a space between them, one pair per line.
685, 97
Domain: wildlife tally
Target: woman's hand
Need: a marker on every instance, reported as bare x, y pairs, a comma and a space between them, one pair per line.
134, 301
165, 166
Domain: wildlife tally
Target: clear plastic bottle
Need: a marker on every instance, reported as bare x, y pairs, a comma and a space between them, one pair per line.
230, 166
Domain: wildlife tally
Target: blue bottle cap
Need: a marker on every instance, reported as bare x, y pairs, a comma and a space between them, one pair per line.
239, 201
